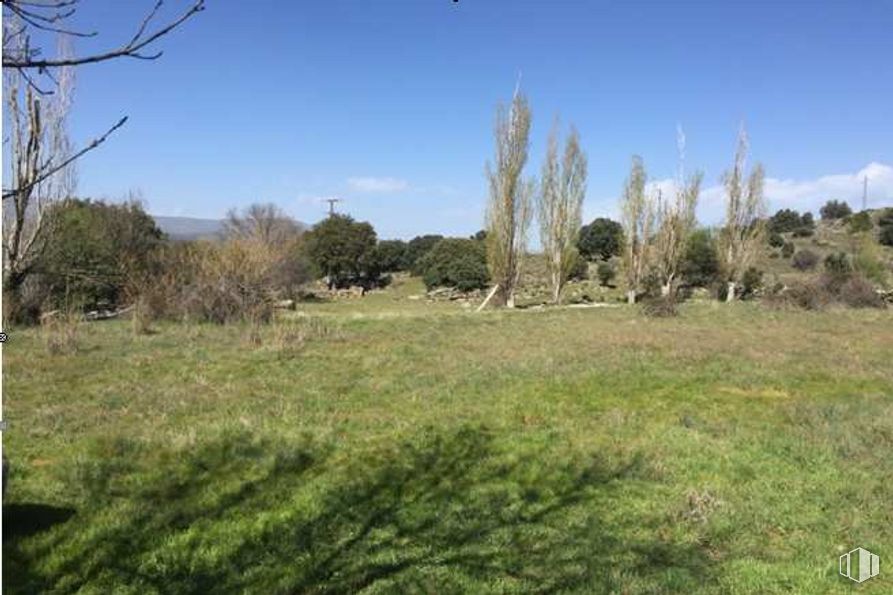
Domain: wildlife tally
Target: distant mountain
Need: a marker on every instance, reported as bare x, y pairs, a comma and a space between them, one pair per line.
189, 228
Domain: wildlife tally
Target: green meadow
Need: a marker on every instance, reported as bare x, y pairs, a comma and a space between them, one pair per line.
386, 445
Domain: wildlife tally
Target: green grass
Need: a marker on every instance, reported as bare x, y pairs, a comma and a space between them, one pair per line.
391, 445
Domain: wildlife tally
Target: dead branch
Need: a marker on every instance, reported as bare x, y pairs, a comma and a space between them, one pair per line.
132, 49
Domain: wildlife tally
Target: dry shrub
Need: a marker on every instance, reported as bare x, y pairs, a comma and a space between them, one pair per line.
233, 281
858, 292
852, 290
60, 331
807, 295
290, 336
699, 506
660, 307
141, 316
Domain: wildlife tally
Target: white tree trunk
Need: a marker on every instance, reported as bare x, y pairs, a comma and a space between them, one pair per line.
631, 296
730, 292
665, 289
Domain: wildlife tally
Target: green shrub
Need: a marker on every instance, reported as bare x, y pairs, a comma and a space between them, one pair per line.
869, 262
805, 260
787, 250
455, 262
838, 264
860, 222
775, 239
835, 210
579, 270
886, 235
803, 232
700, 265
784, 220
605, 273
751, 282
886, 218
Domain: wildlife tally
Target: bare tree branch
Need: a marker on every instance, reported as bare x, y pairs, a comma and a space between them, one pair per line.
56, 168
132, 49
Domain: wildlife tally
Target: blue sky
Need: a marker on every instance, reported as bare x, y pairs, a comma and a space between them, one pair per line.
390, 104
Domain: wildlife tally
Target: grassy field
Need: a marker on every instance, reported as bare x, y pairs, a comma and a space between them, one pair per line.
391, 445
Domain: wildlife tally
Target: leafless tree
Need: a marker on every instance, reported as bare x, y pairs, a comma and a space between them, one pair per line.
560, 204
509, 207
265, 223
675, 222
38, 140
637, 209
743, 231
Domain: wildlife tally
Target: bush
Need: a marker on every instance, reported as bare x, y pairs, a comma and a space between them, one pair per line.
60, 331
886, 235
835, 210
805, 260
858, 292
660, 307
605, 273
787, 250
808, 295
700, 265
784, 220
803, 232
222, 283
455, 262
886, 218
751, 282
602, 238
775, 239
838, 264
860, 222
579, 270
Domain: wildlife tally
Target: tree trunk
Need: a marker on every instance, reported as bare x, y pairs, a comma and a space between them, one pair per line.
631, 296
730, 292
556, 289
665, 289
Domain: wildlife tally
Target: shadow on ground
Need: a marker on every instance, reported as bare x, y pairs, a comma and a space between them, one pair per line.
446, 512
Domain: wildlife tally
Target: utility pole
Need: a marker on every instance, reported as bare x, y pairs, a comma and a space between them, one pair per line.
332, 202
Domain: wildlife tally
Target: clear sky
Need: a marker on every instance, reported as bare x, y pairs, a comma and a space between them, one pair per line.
389, 104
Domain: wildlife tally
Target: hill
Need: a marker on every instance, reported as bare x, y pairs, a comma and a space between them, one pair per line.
189, 228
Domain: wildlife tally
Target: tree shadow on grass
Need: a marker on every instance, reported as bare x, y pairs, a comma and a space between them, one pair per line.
24, 520
445, 512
